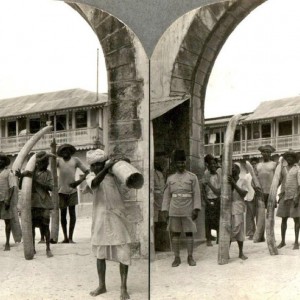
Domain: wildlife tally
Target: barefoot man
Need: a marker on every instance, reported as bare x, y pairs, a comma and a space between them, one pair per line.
41, 201
68, 198
265, 173
289, 196
110, 235
238, 208
7, 186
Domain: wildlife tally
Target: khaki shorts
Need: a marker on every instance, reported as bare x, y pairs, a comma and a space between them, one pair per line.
181, 224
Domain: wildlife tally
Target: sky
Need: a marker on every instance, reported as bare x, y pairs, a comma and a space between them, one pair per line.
260, 61
47, 46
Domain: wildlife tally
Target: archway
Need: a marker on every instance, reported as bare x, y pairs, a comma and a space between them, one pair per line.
182, 62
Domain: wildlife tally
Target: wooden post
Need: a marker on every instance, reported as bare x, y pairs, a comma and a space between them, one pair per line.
226, 193
55, 212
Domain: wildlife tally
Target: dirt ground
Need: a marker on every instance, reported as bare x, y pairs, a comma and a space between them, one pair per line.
260, 277
70, 274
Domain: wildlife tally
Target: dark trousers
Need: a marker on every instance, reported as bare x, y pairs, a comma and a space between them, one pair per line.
212, 216
250, 218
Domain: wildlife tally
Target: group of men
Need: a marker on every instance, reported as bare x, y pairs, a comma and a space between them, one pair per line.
110, 229
178, 201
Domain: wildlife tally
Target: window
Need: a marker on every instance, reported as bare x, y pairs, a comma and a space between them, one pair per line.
206, 138
11, 128
81, 119
256, 133
285, 128
237, 135
266, 130
34, 125
61, 122
249, 132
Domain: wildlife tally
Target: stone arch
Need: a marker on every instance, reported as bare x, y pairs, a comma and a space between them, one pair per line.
182, 62
128, 105
197, 40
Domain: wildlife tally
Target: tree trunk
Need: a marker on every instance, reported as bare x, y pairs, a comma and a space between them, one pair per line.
270, 218
226, 193
26, 211
55, 212
22, 155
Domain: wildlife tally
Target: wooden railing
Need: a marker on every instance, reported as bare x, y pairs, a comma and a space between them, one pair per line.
77, 137
281, 143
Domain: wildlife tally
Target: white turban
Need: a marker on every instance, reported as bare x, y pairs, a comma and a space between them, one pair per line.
93, 156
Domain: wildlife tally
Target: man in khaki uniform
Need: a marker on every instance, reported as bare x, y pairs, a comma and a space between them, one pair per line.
181, 203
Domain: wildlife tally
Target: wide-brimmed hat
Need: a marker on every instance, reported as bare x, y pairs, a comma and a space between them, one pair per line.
71, 148
42, 155
266, 148
6, 158
290, 153
94, 156
179, 155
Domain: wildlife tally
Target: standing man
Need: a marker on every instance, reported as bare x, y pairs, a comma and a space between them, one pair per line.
249, 200
7, 186
238, 207
212, 194
110, 229
289, 196
181, 204
159, 224
68, 197
265, 173
41, 201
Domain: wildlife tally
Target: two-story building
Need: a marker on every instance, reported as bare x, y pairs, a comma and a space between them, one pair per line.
76, 114
275, 122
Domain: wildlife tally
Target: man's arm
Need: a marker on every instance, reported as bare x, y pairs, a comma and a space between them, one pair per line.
240, 191
100, 176
297, 196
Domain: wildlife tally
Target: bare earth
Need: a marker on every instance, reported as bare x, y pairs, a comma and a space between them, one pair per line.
70, 274
260, 277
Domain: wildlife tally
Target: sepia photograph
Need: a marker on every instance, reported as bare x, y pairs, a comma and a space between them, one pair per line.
74, 159
149, 149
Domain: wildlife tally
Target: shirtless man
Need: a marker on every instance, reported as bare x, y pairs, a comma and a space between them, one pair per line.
265, 173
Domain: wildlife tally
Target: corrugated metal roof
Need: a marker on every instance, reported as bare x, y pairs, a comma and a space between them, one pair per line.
159, 108
47, 102
276, 108
223, 120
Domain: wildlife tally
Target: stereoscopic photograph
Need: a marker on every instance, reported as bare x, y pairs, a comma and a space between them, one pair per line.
149, 149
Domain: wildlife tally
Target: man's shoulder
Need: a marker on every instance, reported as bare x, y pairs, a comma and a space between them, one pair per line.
191, 174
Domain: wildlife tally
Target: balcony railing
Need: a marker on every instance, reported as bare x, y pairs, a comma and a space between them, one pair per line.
281, 144
83, 137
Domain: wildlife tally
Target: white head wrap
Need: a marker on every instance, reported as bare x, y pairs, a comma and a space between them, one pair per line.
93, 156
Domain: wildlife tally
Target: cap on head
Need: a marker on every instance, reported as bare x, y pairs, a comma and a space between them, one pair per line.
62, 147
290, 153
5, 158
267, 148
179, 155
42, 155
94, 156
